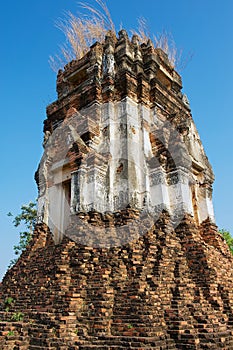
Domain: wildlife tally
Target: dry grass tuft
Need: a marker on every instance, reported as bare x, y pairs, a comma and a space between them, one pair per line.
166, 42
81, 32
142, 32
162, 40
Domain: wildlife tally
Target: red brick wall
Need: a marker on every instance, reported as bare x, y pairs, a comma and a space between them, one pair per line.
167, 290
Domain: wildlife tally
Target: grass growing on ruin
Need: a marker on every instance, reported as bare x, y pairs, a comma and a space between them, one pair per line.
81, 31
8, 302
163, 40
17, 316
84, 29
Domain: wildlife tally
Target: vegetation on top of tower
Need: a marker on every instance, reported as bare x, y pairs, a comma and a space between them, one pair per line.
164, 41
81, 31
84, 29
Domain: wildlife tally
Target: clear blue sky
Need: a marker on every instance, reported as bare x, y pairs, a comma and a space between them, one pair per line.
27, 86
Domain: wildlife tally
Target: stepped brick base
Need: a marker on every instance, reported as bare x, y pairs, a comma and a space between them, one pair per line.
170, 289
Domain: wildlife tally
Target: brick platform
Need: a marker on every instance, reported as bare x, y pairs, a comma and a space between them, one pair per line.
167, 290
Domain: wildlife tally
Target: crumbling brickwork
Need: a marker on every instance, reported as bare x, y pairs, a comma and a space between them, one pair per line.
126, 254
167, 290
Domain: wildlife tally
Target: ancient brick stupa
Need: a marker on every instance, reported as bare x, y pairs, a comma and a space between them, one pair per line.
126, 254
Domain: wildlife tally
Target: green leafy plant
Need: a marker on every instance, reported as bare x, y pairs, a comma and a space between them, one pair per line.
228, 238
26, 218
10, 334
17, 316
7, 303
129, 326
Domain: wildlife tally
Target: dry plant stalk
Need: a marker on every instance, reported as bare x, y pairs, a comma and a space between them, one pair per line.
166, 42
143, 32
81, 32
162, 41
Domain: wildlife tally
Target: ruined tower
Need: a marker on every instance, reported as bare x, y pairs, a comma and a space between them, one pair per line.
126, 254
121, 136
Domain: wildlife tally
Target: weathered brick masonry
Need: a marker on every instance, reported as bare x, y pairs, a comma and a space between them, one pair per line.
168, 288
